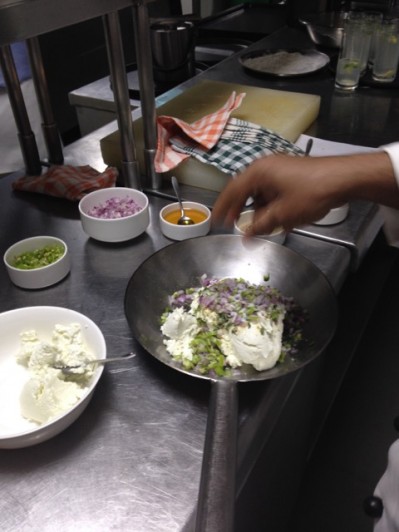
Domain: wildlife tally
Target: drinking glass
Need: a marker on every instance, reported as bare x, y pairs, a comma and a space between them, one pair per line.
373, 21
350, 56
361, 29
386, 58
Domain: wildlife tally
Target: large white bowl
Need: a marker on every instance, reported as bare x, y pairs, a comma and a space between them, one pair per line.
182, 232
15, 431
38, 277
117, 229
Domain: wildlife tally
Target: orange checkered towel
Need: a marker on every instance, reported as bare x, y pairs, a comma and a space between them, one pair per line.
205, 132
70, 182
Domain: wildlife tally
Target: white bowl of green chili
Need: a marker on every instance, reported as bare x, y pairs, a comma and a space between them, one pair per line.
37, 262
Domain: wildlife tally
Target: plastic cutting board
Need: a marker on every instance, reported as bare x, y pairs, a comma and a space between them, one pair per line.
287, 113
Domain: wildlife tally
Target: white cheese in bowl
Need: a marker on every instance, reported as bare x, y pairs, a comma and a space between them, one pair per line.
49, 393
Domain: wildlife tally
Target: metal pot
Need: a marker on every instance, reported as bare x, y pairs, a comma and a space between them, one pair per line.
325, 29
172, 44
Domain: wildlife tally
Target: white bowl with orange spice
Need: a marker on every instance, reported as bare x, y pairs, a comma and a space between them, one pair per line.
114, 214
199, 213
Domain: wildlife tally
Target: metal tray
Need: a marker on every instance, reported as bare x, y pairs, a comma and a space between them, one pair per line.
283, 62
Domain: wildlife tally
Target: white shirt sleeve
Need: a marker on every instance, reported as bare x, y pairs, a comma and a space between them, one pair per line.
391, 216
388, 490
393, 151
388, 487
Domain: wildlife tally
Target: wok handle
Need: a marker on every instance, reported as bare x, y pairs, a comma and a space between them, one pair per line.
215, 510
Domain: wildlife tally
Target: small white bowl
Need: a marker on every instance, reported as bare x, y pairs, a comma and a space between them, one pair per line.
245, 219
115, 229
182, 232
37, 277
15, 430
334, 216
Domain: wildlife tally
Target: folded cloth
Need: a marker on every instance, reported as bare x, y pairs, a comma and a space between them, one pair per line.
228, 143
240, 144
206, 132
70, 182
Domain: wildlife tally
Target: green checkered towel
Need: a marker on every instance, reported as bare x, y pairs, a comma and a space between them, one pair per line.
240, 144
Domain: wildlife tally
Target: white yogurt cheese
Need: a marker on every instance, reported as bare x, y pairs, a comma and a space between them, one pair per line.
180, 327
49, 393
46, 397
258, 343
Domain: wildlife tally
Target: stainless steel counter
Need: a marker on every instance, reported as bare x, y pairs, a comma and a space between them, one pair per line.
132, 460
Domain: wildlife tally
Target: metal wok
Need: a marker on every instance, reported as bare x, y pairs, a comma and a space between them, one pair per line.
180, 265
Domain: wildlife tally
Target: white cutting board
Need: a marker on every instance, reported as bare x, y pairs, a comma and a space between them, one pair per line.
286, 113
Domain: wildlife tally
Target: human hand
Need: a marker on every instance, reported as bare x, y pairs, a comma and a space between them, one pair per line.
292, 191
287, 191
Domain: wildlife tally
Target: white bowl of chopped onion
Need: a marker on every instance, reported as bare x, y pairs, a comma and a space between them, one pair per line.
114, 214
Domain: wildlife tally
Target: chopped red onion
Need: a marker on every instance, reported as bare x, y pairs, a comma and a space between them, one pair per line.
114, 208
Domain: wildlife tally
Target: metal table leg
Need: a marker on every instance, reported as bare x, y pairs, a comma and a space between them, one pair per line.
26, 136
130, 169
49, 127
147, 92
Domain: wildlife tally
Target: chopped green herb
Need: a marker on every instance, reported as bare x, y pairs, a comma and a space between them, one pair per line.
38, 258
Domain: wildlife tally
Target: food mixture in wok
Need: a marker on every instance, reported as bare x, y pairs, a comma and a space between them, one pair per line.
225, 323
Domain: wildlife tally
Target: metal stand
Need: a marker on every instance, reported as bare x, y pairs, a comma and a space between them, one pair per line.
130, 169
49, 127
147, 92
25, 20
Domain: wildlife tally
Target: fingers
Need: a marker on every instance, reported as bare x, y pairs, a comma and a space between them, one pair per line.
265, 221
230, 202
232, 199
278, 200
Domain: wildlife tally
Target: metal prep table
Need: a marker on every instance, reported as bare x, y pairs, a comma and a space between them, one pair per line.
132, 460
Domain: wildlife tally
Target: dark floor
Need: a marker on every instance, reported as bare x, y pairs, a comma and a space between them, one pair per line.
351, 453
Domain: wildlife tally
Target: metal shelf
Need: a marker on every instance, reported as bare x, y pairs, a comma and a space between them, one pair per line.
23, 19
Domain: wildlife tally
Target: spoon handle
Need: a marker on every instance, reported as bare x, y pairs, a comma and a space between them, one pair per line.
175, 186
112, 359
94, 361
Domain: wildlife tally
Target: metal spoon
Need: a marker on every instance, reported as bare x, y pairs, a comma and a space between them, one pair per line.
70, 369
309, 145
183, 220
